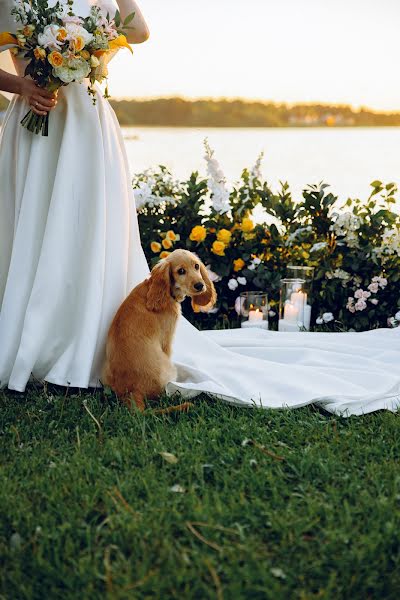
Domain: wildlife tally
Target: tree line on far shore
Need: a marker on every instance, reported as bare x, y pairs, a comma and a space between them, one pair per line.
180, 112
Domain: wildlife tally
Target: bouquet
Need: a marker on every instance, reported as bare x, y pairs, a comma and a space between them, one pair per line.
63, 48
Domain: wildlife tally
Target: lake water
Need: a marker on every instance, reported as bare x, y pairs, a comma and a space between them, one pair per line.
348, 159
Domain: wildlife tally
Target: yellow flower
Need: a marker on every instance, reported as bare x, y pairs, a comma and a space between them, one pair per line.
247, 225
39, 53
155, 247
164, 254
224, 235
94, 61
78, 43
62, 34
55, 59
198, 234
28, 30
218, 248
171, 235
305, 254
85, 54
238, 264
167, 244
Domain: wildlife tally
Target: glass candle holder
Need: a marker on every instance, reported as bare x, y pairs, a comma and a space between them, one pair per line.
254, 310
301, 272
294, 307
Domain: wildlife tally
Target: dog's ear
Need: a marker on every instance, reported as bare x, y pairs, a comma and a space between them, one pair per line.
159, 294
209, 296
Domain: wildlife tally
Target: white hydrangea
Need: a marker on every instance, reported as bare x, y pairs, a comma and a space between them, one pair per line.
75, 70
346, 225
220, 196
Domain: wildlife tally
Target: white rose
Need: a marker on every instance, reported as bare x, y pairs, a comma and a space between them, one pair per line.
327, 317
74, 31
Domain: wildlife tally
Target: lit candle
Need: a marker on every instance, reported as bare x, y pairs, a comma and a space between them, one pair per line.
255, 315
291, 312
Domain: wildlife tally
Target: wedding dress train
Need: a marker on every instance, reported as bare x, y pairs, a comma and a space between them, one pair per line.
70, 253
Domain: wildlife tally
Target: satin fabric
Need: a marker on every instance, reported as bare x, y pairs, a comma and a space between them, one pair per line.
70, 253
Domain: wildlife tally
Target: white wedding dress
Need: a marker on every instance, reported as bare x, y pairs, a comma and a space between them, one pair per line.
70, 253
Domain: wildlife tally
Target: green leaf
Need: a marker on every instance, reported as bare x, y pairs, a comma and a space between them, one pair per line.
129, 18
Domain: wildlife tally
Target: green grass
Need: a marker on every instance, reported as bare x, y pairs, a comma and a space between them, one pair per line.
312, 510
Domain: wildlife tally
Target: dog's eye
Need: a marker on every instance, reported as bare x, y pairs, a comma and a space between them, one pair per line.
197, 267
181, 271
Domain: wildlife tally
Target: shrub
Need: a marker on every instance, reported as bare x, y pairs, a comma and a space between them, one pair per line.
355, 248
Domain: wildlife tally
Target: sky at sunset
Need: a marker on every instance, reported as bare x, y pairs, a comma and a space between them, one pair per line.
339, 51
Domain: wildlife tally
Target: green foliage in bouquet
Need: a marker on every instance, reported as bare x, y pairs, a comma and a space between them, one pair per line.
355, 248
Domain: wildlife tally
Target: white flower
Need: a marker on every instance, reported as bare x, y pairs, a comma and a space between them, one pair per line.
390, 242
397, 316
271, 313
318, 246
238, 305
72, 19
361, 294
327, 317
255, 173
220, 196
214, 277
350, 304
48, 39
233, 284
242, 280
177, 489
74, 31
373, 287
374, 301
76, 70
360, 304
319, 320
254, 263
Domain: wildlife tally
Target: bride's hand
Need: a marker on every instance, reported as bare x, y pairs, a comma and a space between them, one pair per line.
41, 101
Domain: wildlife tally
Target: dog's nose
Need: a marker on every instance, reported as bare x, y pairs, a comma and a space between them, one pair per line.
198, 286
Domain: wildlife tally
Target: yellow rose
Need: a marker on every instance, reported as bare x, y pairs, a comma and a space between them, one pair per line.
224, 235
247, 225
62, 34
39, 53
167, 244
86, 55
238, 264
198, 234
78, 43
164, 254
218, 248
55, 59
155, 247
171, 235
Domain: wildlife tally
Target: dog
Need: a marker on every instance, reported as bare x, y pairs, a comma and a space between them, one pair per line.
139, 342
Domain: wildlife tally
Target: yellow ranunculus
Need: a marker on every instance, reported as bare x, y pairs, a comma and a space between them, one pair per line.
39, 53
218, 248
247, 225
55, 59
171, 235
224, 235
238, 264
167, 244
164, 254
198, 234
85, 54
155, 247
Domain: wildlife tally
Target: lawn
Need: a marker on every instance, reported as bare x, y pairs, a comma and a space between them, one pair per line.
90, 507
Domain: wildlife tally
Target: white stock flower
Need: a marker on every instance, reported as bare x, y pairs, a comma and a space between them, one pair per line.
220, 196
242, 280
255, 173
233, 284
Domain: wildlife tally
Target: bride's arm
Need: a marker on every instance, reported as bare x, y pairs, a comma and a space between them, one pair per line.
39, 100
140, 32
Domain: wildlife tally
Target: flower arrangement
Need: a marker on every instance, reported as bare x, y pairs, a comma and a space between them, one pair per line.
355, 249
63, 48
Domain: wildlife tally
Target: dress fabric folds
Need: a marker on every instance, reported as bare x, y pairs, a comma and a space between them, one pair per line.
70, 253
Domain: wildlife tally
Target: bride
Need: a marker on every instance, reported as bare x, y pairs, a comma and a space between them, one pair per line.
70, 253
